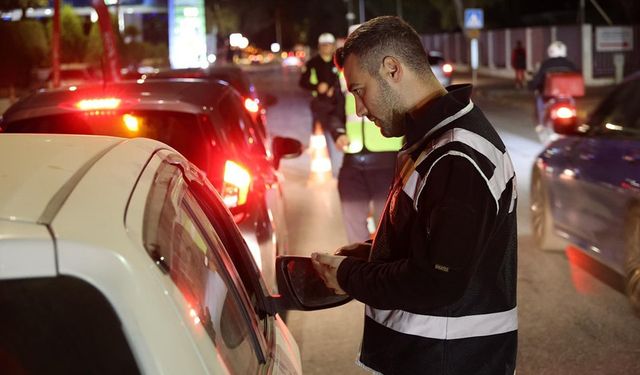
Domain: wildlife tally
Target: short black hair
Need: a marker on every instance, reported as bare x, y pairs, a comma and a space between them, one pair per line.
380, 37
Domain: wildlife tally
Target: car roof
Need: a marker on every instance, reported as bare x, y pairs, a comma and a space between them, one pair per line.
183, 95
34, 185
232, 74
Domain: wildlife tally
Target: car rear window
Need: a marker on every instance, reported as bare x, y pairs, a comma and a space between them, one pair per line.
182, 131
239, 129
60, 325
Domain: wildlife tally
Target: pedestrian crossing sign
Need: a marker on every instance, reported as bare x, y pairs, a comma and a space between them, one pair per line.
473, 18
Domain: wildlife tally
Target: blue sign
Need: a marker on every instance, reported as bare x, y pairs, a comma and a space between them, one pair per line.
473, 18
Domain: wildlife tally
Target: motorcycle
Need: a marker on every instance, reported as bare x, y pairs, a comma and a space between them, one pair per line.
558, 105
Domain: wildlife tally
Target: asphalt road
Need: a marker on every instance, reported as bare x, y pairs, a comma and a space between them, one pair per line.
573, 315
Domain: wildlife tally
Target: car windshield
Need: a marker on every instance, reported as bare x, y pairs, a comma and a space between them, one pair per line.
181, 131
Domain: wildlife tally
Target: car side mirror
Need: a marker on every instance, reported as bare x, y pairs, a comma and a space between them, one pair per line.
284, 147
268, 100
301, 288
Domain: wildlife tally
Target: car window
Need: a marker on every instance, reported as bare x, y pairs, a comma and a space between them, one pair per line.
60, 325
618, 115
435, 60
182, 131
241, 130
180, 238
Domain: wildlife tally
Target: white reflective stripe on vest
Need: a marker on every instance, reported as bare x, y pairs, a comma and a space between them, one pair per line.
503, 173
446, 328
443, 123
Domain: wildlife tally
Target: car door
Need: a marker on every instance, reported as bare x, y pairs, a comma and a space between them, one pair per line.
282, 353
211, 274
607, 170
199, 277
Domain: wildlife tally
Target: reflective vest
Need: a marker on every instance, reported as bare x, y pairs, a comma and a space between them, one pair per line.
363, 133
313, 79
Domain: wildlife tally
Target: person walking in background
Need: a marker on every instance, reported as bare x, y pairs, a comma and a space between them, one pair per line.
320, 77
367, 167
439, 279
519, 64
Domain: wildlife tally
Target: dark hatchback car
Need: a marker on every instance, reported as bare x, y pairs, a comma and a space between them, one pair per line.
204, 120
586, 186
256, 104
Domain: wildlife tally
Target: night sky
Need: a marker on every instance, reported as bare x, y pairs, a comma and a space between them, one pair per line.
304, 20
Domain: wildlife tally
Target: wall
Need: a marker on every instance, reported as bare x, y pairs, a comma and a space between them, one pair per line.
495, 48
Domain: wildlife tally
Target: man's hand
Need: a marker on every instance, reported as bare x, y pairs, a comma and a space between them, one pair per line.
358, 250
342, 143
322, 87
327, 267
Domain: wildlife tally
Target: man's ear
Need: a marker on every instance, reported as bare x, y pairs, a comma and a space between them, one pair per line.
391, 68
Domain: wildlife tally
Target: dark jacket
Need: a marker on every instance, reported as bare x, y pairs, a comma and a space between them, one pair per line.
327, 72
440, 284
519, 58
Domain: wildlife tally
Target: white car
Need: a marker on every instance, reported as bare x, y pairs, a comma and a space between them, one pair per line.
118, 256
206, 121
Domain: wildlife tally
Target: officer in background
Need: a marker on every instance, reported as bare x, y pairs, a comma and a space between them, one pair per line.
320, 77
367, 168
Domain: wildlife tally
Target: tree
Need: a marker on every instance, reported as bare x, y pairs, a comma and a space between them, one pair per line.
223, 16
28, 45
94, 50
73, 42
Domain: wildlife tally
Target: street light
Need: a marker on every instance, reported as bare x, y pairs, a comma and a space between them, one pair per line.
275, 47
235, 39
244, 43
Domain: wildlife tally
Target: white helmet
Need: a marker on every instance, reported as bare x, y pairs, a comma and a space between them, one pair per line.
326, 38
557, 49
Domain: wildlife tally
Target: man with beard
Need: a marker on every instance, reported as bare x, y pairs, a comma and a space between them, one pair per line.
439, 278
367, 167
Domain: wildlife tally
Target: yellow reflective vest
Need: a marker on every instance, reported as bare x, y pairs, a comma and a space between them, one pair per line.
362, 133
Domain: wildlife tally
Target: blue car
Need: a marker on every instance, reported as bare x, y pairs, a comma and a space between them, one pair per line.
585, 186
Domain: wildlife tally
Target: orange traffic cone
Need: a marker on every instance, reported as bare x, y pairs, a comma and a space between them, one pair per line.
320, 162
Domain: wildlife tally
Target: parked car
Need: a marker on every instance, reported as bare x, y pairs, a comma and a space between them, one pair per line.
586, 186
204, 120
442, 69
119, 257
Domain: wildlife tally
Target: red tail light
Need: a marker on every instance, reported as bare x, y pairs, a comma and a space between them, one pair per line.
252, 105
563, 117
237, 181
563, 112
98, 104
447, 69
131, 122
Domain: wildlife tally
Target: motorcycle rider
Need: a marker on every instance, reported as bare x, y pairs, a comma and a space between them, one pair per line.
556, 62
